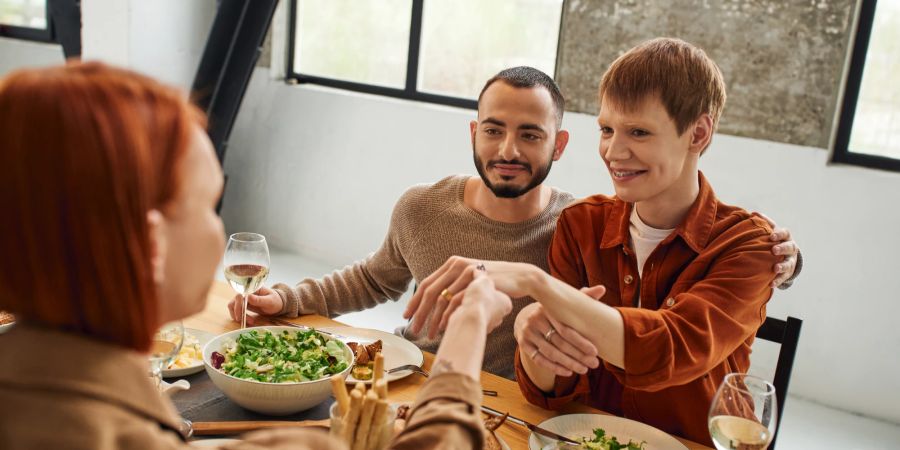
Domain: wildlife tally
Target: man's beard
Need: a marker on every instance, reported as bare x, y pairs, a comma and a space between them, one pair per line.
506, 190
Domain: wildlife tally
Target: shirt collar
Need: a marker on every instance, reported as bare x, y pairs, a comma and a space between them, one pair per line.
694, 230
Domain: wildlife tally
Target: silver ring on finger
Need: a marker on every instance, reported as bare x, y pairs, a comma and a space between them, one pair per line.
549, 334
536, 351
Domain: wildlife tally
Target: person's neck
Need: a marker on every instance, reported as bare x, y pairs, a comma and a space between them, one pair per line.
668, 209
507, 210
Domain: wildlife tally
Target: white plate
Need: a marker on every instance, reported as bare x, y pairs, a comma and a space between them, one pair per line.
396, 350
5, 327
202, 337
576, 426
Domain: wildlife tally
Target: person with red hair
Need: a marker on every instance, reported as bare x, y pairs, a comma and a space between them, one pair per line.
110, 187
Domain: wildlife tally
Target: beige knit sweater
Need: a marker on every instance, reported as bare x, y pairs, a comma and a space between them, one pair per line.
429, 224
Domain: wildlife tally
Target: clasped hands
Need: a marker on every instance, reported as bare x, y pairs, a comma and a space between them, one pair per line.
548, 343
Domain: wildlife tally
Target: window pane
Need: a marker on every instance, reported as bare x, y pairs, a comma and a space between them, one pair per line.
365, 41
24, 13
465, 42
876, 125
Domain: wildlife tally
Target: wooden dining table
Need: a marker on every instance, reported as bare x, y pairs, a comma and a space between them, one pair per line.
215, 319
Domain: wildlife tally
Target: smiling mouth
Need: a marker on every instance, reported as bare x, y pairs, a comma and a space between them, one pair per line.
623, 175
509, 169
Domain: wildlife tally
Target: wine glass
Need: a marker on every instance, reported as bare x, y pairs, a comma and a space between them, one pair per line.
246, 265
744, 413
164, 348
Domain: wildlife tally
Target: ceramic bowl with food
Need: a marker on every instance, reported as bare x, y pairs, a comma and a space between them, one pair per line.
276, 370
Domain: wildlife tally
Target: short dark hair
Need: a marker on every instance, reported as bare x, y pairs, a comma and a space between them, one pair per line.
528, 77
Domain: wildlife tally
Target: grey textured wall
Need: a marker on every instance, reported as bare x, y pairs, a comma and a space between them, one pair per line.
782, 59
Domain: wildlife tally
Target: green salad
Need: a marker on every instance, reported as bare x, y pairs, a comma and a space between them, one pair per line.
282, 357
602, 442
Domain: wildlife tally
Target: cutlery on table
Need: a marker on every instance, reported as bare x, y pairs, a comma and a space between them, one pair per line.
530, 426
424, 373
238, 427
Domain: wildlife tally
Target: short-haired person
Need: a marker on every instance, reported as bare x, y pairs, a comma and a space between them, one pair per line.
506, 213
113, 184
682, 278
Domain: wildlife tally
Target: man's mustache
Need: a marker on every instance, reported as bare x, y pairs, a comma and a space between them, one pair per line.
524, 164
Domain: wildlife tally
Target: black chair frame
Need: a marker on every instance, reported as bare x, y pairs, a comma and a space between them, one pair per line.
786, 333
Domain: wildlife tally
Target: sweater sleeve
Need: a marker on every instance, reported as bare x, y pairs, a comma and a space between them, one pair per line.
382, 276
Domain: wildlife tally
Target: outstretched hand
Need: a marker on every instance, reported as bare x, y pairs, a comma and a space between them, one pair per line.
482, 294
443, 290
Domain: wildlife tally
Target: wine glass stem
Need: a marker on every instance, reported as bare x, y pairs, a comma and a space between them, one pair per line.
244, 313
156, 373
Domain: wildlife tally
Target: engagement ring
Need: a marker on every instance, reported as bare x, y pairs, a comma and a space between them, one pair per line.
549, 334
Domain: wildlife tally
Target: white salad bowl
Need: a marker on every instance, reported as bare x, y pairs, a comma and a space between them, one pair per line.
277, 399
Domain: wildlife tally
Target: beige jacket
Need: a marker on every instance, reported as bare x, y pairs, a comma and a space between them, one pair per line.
60, 390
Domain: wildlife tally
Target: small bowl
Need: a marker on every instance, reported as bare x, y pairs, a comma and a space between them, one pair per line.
276, 399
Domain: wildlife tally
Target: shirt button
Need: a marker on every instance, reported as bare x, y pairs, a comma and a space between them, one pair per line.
628, 279
670, 301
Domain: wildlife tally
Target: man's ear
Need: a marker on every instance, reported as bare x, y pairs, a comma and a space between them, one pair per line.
156, 224
562, 139
701, 134
473, 128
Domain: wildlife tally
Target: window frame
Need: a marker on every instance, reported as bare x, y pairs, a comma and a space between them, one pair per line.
29, 33
410, 90
841, 152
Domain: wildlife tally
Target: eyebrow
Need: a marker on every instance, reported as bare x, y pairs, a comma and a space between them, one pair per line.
525, 126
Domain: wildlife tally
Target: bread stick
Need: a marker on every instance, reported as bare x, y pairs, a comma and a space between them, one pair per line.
378, 370
381, 388
379, 417
365, 421
351, 419
339, 389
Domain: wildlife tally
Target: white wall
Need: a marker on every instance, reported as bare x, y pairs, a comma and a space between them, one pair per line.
318, 170
161, 38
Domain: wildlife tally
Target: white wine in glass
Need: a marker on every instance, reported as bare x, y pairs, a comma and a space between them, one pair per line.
743, 414
164, 348
246, 265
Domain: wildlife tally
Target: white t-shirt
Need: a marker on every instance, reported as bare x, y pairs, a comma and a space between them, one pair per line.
644, 238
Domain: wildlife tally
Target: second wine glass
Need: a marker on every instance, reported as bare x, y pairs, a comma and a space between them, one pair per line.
164, 348
743, 414
246, 265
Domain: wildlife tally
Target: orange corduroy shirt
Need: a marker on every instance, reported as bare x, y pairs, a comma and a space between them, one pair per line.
702, 295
